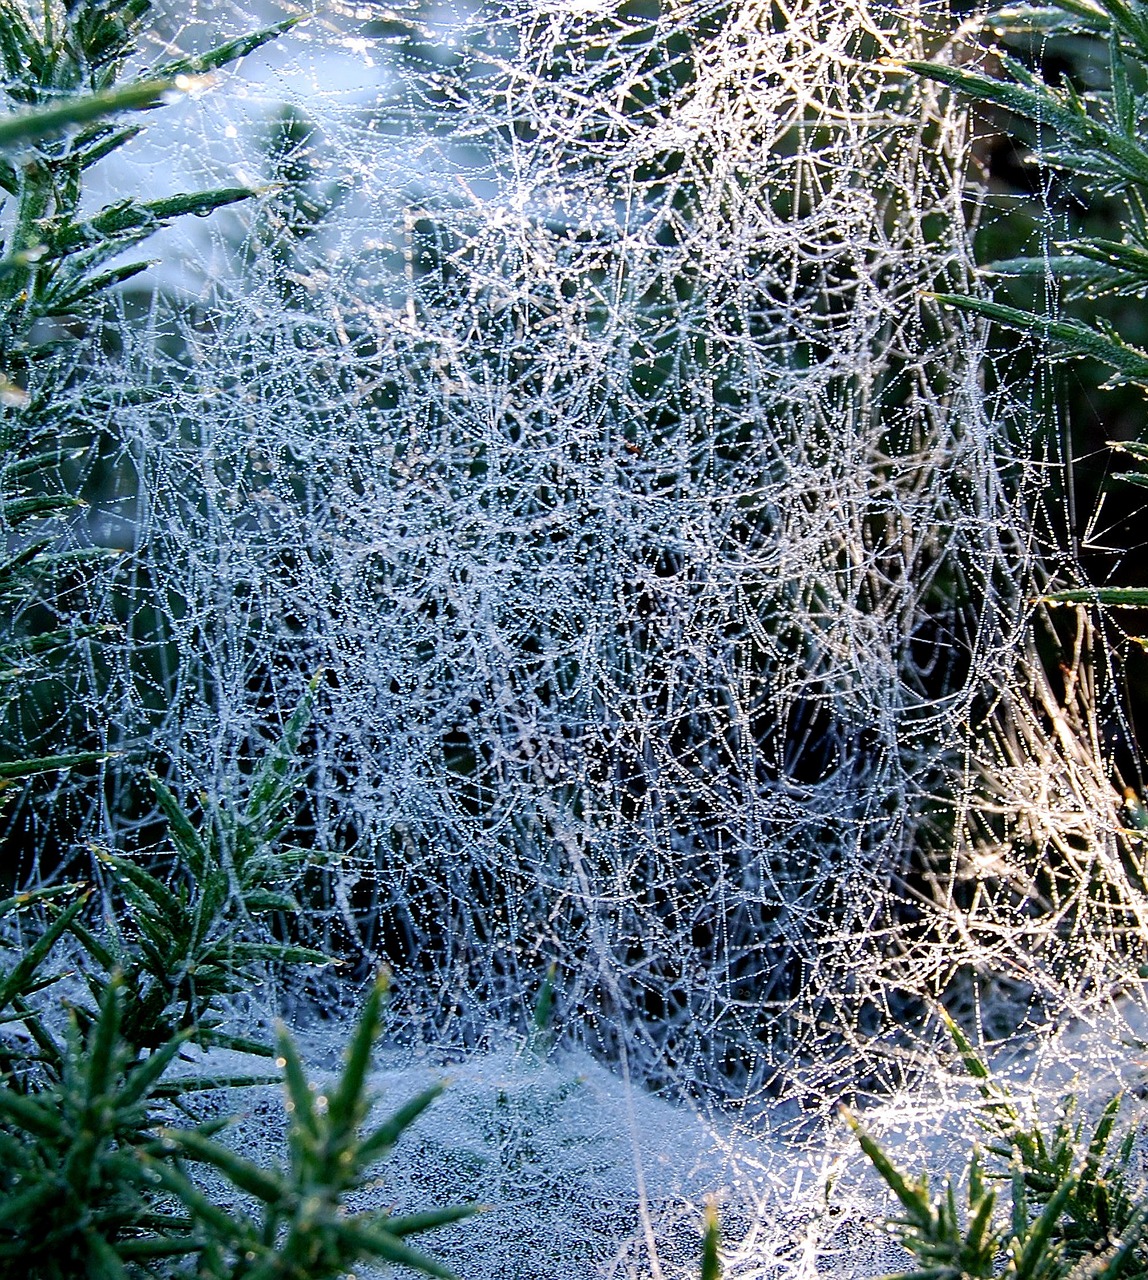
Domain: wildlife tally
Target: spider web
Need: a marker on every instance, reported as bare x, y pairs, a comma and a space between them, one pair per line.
578, 404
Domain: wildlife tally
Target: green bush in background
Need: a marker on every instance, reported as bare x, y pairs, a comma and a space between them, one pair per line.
93, 1176
93, 1168
1077, 1207
67, 108
1092, 137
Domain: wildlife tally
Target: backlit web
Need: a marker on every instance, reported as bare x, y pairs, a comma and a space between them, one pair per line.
577, 403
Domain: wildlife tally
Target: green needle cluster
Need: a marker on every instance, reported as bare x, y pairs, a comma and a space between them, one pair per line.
94, 1174
1096, 135
1075, 1211
302, 1229
195, 936
60, 73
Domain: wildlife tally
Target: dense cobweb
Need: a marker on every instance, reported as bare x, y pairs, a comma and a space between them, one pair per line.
575, 400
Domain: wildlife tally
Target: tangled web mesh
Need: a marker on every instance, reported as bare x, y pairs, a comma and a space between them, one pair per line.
577, 403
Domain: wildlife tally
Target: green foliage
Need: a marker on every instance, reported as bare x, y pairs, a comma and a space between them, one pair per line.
63, 69
74, 1185
92, 1174
540, 1034
43, 122
1074, 1212
1100, 1207
194, 937
93, 1178
60, 67
1094, 135
35, 639
22, 980
931, 1229
295, 210
304, 1229
711, 1238
95, 1185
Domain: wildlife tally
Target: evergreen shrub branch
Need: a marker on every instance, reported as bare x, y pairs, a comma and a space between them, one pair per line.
1097, 135
93, 1170
61, 68
94, 1178
1077, 1212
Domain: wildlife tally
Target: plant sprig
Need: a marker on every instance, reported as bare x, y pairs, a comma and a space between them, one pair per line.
304, 1229
1074, 1212
194, 937
1096, 135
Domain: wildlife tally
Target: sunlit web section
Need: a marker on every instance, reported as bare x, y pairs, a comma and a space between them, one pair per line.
573, 396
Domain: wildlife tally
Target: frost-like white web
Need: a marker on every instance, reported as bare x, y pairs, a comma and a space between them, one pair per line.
578, 404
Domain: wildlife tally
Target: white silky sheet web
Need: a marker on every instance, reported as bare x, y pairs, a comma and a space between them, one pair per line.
584, 1178
574, 398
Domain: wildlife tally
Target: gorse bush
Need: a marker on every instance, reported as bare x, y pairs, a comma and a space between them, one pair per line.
194, 938
98, 1171
94, 1179
60, 73
1094, 134
1078, 1209
93, 1183
690, 653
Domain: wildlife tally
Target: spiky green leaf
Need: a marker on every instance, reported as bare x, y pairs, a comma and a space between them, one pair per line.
387, 1134
261, 1183
187, 839
22, 127
231, 51
20, 980
711, 1263
304, 1117
347, 1104
374, 1242
415, 1223
1116, 597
